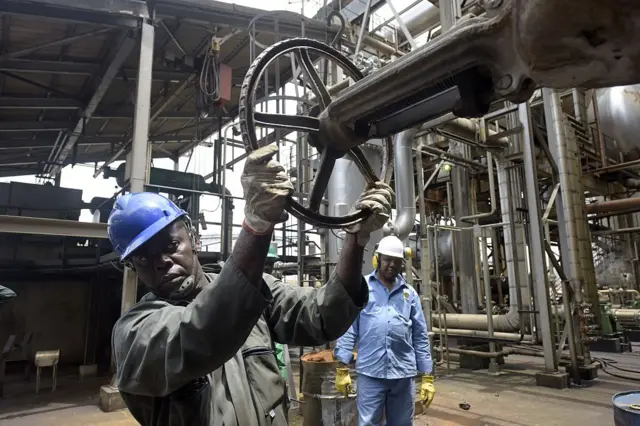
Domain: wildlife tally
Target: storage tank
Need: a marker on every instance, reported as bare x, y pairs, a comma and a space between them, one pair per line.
619, 111
345, 187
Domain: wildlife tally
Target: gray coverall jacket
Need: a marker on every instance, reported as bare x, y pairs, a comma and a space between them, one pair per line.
211, 361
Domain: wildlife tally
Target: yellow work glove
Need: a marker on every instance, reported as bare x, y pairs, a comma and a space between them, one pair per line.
343, 380
427, 391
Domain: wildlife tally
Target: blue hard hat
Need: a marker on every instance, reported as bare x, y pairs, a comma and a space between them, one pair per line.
137, 217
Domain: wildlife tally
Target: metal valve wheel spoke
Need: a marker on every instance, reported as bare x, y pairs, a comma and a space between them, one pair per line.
301, 123
300, 50
321, 180
363, 164
313, 79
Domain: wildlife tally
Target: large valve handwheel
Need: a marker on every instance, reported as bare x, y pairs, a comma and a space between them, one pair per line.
249, 119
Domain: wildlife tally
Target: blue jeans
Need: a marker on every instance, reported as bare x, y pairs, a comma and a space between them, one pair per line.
394, 397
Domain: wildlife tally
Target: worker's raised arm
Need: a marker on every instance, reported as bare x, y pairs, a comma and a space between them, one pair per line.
163, 344
308, 317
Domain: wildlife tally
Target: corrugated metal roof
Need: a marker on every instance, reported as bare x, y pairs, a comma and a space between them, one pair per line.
44, 91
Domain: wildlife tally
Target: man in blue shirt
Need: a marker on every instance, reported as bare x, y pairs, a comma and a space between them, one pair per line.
393, 345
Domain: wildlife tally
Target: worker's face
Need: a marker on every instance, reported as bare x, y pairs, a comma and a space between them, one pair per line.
166, 260
389, 267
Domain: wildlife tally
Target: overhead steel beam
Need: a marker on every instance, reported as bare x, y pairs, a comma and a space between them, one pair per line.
33, 126
56, 227
125, 13
8, 144
112, 70
43, 66
157, 109
39, 103
60, 42
211, 13
127, 113
25, 140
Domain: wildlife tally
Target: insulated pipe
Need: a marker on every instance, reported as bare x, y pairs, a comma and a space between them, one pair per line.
516, 267
615, 231
480, 334
627, 315
626, 205
480, 354
381, 46
405, 186
492, 194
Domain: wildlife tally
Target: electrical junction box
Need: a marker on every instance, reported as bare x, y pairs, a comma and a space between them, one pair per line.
226, 84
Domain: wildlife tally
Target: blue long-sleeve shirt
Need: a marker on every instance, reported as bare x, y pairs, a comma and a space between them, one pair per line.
391, 334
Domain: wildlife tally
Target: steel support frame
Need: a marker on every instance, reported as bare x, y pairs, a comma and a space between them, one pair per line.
118, 60
536, 250
567, 218
124, 13
56, 227
237, 16
45, 66
139, 146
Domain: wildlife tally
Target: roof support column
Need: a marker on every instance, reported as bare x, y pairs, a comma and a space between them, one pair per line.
139, 159
536, 241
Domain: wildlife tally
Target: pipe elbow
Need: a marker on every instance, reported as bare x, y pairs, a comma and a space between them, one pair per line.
405, 186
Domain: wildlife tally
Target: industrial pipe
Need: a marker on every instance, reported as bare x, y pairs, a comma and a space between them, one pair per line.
480, 354
405, 186
627, 315
480, 334
635, 293
492, 194
615, 231
512, 320
381, 46
628, 205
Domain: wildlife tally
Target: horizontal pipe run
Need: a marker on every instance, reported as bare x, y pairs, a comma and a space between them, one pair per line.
624, 204
483, 334
615, 231
451, 157
616, 167
481, 354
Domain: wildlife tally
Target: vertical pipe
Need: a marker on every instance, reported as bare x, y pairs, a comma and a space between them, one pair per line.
404, 185
449, 12
425, 263
567, 214
454, 258
224, 227
538, 264
493, 365
596, 116
514, 256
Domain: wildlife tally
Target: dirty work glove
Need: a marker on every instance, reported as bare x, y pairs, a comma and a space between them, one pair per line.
376, 198
343, 381
427, 391
266, 188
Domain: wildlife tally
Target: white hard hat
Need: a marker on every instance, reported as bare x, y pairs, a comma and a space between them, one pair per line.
391, 246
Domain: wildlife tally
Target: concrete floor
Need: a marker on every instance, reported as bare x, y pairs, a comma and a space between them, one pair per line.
509, 399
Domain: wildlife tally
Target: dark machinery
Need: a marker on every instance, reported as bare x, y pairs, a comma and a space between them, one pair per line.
506, 54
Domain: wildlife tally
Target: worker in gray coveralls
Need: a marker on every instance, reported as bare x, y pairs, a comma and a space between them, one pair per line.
198, 349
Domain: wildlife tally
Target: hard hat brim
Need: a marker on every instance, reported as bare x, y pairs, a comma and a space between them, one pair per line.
149, 233
390, 254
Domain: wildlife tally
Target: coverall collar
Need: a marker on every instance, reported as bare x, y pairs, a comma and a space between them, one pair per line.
399, 282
